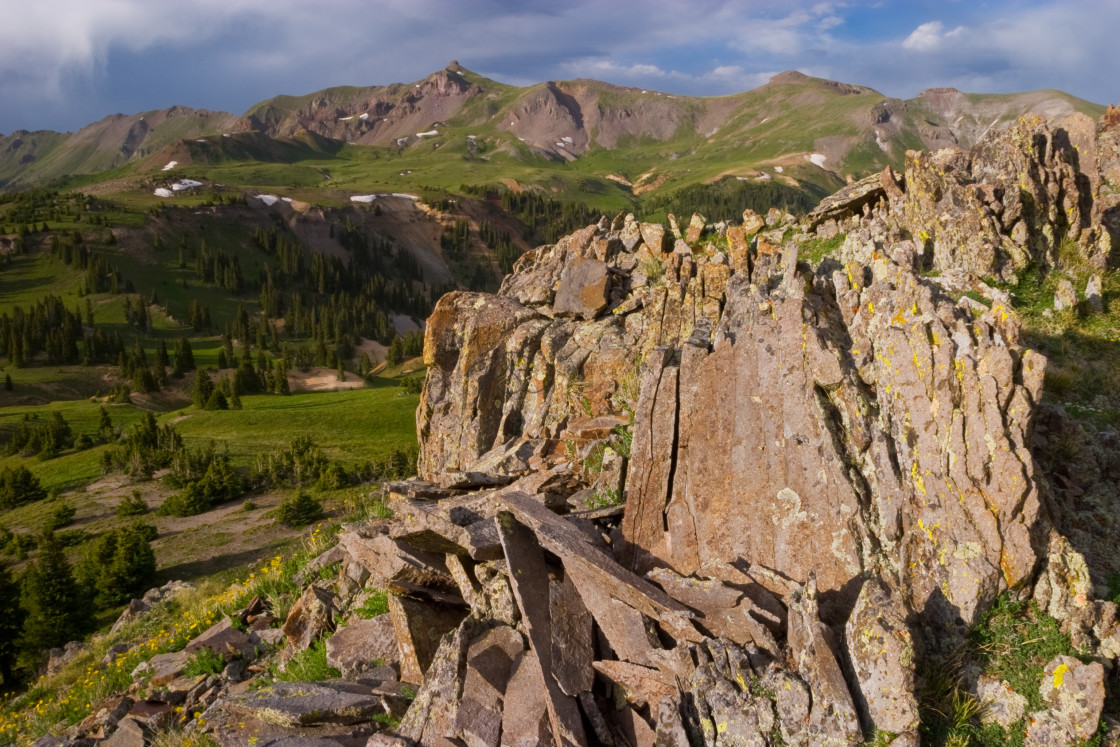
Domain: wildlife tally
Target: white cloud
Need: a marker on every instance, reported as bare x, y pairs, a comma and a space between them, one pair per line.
929, 37
591, 68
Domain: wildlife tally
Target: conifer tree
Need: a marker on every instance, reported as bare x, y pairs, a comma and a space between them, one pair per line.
52, 601
163, 360
184, 356
11, 621
132, 569
202, 389
105, 425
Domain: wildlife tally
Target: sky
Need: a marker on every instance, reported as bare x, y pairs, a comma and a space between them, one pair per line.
66, 63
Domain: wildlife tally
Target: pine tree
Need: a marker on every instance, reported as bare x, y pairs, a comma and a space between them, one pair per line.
395, 353
202, 389
131, 570
184, 356
52, 602
8, 386
105, 425
217, 401
163, 360
11, 620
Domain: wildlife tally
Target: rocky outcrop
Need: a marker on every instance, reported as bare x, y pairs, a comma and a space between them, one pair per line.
1035, 194
828, 470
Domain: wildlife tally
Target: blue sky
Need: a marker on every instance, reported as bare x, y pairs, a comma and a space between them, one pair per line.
65, 63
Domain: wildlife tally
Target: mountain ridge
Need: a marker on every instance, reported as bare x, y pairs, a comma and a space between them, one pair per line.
787, 123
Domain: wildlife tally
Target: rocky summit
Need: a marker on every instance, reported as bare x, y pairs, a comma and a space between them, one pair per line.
689, 487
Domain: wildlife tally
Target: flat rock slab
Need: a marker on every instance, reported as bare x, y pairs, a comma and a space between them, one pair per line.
363, 645
529, 578
223, 639
591, 567
162, 668
292, 704
525, 720
1074, 695
311, 616
419, 626
130, 733
236, 728
388, 559
584, 289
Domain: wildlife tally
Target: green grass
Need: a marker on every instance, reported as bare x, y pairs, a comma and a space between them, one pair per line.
204, 661
309, 665
71, 469
815, 250
375, 605
1082, 346
31, 276
350, 426
1013, 641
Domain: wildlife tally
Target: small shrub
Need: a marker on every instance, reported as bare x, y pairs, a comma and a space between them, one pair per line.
204, 661
61, 515
190, 501
299, 509
604, 498
654, 270
249, 505
133, 505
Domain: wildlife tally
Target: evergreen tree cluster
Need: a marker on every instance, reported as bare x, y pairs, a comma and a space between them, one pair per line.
44, 437
502, 245
143, 449
19, 486
219, 268
545, 219
46, 327
119, 566
729, 197
409, 346
456, 239
49, 604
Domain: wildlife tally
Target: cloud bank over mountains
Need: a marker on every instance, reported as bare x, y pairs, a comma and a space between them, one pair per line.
64, 63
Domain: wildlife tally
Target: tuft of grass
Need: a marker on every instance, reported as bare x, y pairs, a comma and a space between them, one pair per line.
654, 269
605, 498
1013, 641
815, 250
204, 661
309, 665
1017, 640
376, 604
